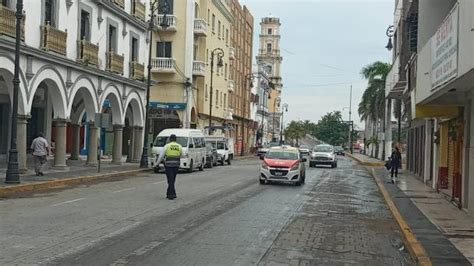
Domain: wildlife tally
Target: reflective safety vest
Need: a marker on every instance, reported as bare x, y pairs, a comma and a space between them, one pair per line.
172, 154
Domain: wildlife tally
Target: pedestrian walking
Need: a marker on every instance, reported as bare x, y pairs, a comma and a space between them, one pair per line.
171, 155
395, 163
40, 149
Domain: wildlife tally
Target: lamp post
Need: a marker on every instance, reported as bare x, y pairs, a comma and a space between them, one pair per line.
13, 173
219, 53
283, 110
164, 8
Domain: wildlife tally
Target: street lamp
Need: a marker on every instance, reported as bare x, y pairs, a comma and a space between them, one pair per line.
390, 32
219, 53
283, 110
164, 7
13, 173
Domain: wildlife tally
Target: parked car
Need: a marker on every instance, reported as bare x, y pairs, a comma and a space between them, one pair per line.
194, 148
282, 164
339, 150
304, 149
323, 155
212, 157
221, 144
264, 149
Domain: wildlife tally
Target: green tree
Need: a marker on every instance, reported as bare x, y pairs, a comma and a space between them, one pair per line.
332, 129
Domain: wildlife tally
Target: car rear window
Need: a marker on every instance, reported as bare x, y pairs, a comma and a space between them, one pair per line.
162, 141
323, 149
285, 155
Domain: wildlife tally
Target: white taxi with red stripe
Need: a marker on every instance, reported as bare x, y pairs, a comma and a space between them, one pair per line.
283, 164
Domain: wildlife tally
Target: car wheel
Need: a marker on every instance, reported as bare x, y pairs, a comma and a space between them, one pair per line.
228, 161
222, 162
262, 182
201, 167
211, 164
190, 170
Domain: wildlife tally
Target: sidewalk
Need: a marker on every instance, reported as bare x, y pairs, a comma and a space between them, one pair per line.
446, 233
76, 173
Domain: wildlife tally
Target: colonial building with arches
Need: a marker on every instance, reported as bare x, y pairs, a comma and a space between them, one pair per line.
78, 58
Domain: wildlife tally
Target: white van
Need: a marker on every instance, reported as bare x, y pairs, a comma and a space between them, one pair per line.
194, 148
224, 151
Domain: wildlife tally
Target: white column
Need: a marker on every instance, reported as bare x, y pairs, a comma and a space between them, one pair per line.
21, 142
137, 144
388, 129
76, 142
117, 148
427, 148
93, 142
60, 144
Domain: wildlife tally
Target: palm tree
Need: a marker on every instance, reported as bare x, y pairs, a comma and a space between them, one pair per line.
372, 105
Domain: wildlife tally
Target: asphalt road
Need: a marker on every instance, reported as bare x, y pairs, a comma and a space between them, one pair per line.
222, 217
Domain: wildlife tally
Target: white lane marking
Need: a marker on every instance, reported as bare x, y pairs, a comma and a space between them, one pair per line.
123, 190
66, 202
90, 244
139, 252
159, 182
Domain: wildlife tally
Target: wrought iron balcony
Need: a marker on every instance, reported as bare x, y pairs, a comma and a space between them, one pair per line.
87, 53
163, 65
8, 23
170, 21
120, 3
200, 27
114, 63
53, 39
199, 68
137, 71
138, 10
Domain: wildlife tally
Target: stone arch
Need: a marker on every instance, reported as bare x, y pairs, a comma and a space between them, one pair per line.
56, 90
112, 93
83, 88
6, 65
136, 106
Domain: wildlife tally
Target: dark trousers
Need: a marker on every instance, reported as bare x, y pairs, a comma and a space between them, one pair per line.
171, 173
394, 170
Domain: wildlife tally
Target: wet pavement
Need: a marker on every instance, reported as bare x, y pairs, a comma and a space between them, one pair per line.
222, 217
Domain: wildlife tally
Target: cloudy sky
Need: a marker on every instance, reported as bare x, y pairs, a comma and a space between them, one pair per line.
324, 44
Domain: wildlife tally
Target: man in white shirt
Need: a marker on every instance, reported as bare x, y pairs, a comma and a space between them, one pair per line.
40, 149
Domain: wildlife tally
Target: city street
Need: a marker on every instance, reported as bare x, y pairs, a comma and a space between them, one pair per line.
222, 216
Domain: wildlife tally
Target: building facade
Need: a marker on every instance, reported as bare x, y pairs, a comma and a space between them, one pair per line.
78, 58
270, 59
240, 72
433, 74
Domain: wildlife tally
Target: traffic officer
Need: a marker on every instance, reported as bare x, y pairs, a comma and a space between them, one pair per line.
171, 154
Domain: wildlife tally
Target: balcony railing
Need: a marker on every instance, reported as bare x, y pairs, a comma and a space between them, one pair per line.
269, 53
114, 63
170, 19
138, 10
53, 39
230, 85
120, 3
231, 53
200, 27
137, 71
199, 68
87, 53
8, 23
163, 65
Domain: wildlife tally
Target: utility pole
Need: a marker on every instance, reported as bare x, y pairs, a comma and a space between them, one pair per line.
350, 121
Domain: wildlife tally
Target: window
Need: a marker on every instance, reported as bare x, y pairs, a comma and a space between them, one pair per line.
213, 23
225, 100
50, 12
208, 17
221, 98
270, 31
168, 8
269, 47
85, 26
217, 97
134, 52
219, 29
206, 95
196, 10
163, 49
225, 71
207, 56
112, 38
227, 36
6, 3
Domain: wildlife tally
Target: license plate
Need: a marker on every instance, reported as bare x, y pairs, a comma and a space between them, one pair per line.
278, 173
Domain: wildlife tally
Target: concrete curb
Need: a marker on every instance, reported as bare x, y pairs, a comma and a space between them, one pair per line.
365, 163
416, 249
37, 186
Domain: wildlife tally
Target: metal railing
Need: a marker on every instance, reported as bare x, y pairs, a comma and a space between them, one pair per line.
138, 10
87, 53
114, 63
137, 71
8, 23
272, 52
120, 3
53, 39
164, 64
199, 68
200, 26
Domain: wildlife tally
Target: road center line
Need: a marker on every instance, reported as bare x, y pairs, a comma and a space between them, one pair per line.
122, 190
66, 202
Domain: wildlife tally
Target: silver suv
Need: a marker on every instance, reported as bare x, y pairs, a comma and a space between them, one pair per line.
323, 155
